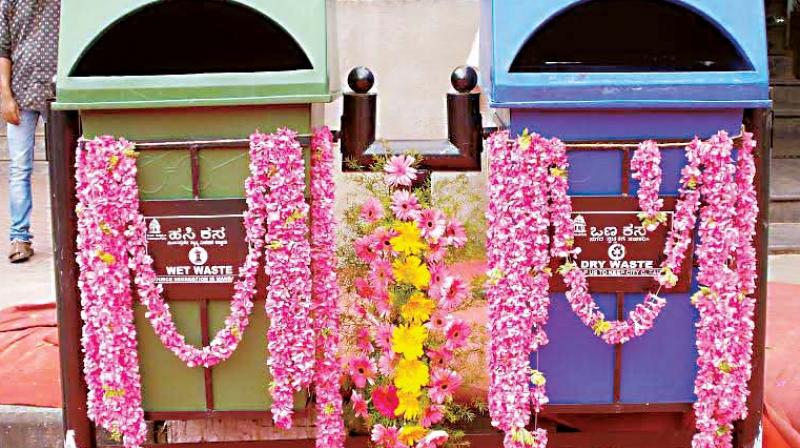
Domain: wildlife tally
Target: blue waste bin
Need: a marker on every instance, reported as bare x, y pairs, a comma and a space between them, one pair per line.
625, 71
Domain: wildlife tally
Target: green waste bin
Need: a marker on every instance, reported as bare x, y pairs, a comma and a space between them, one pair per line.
189, 80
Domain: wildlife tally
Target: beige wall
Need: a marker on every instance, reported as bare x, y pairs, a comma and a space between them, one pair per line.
412, 46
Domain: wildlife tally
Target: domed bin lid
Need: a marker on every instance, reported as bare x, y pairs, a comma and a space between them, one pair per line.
179, 53
624, 54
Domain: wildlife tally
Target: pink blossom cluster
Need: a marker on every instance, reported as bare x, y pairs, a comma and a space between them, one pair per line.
106, 198
227, 339
325, 290
290, 338
646, 168
684, 221
518, 248
725, 327
645, 164
642, 318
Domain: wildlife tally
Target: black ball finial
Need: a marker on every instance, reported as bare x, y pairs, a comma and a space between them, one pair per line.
464, 79
361, 79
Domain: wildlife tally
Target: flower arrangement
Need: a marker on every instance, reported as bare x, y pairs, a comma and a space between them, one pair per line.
406, 337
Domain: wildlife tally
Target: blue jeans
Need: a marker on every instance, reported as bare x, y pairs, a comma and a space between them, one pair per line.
20, 149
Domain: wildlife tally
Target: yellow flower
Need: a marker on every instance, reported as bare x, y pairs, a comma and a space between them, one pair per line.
412, 434
566, 267
113, 161
411, 271
408, 405
409, 240
412, 374
537, 378
408, 340
558, 172
418, 308
106, 257
524, 141
130, 151
601, 327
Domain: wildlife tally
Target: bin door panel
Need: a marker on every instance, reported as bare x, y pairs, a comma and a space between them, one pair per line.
164, 175
660, 367
579, 370
167, 384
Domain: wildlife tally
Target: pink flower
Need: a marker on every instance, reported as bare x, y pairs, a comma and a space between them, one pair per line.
454, 233
456, 334
431, 223
359, 405
438, 273
383, 336
363, 341
433, 414
386, 362
384, 437
385, 400
363, 288
439, 320
439, 358
382, 304
371, 210
436, 251
381, 273
362, 371
433, 439
443, 383
405, 205
399, 171
450, 293
360, 310
383, 240
366, 248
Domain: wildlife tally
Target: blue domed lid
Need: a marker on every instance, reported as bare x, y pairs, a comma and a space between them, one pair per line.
624, 53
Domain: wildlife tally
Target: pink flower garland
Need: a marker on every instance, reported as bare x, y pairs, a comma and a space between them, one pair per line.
641, 319
290, 338
725, 327
330, 424
150, 293
517, 252
645, 164
684, 220
111, 362
646, 168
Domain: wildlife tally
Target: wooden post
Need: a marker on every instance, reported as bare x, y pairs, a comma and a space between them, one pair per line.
62, 132
759, 122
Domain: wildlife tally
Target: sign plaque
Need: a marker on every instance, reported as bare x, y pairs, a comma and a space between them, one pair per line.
197, 256
617, 253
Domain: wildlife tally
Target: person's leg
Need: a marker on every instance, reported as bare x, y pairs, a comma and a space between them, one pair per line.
20, 148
